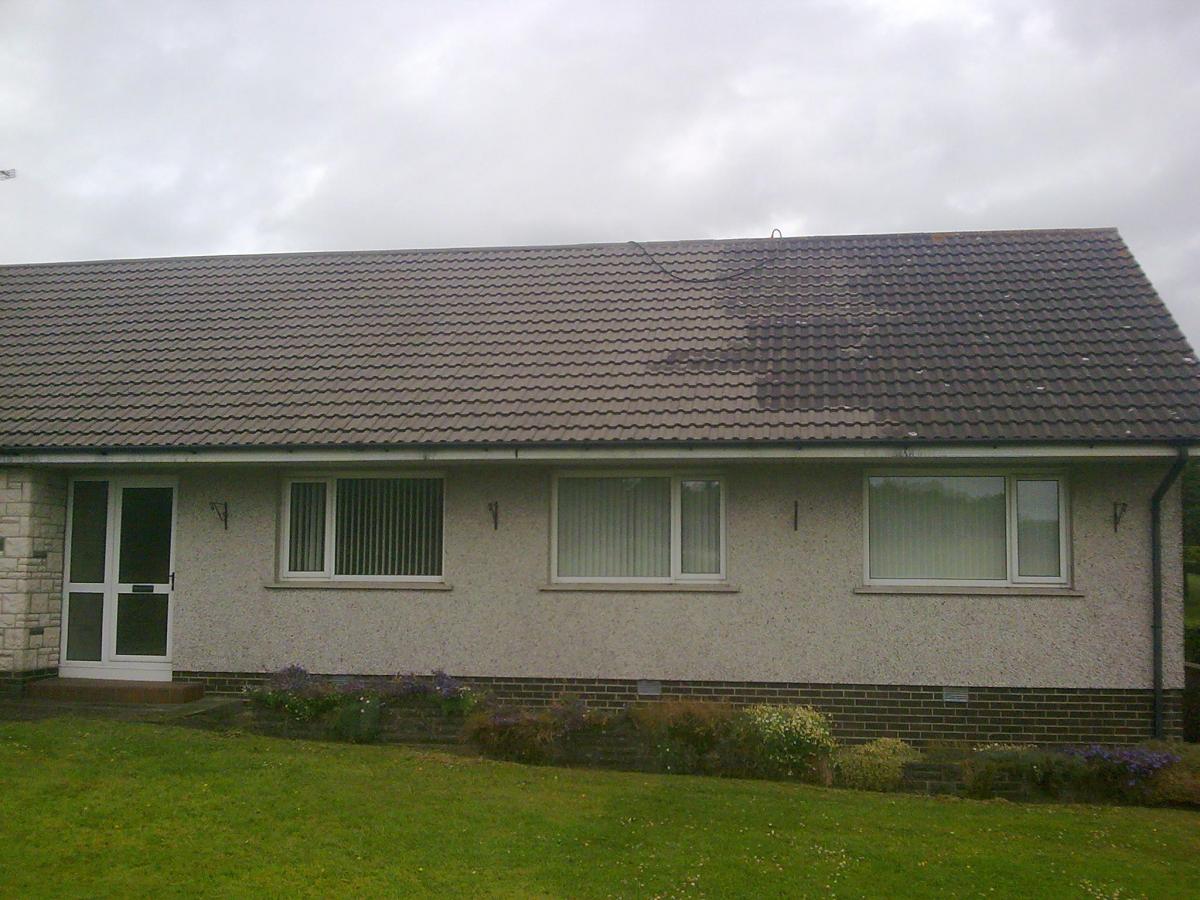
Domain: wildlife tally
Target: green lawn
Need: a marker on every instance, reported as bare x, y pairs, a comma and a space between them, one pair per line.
101, 808
1191, 606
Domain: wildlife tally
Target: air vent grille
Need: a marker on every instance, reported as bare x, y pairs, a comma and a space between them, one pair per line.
649, 688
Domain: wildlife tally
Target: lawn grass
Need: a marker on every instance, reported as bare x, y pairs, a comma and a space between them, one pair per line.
1191, 603
102, 808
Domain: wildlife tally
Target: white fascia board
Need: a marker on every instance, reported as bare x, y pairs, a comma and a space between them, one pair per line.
696, 453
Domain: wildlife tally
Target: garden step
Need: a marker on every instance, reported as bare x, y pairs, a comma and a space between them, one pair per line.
87, 690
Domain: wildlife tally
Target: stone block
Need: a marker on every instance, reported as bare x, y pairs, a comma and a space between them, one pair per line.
14, 604
19, 547
16, 638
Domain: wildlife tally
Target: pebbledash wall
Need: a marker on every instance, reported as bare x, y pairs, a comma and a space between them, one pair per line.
32, 516
1041, 667
1037, 667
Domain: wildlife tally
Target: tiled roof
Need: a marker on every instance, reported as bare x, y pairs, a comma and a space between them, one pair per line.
994, 336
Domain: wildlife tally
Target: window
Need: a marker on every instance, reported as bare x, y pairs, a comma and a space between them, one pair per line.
966, 528
638, 528
364, 528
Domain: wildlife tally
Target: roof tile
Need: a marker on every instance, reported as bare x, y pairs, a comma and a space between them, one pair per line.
988, 336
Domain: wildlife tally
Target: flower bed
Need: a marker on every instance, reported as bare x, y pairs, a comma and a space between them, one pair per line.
707, 738
403, 709
689, 737
1087, 774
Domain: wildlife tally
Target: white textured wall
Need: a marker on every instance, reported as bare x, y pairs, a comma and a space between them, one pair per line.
796, 617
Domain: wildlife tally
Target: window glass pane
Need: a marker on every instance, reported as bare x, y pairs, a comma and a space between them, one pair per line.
145, 551
142, 624
389, 526
938, 527
614, 527
1038, 529
85, 613
700, 527
89, 528
306, 527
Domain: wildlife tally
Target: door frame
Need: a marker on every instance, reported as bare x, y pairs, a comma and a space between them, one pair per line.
110, 665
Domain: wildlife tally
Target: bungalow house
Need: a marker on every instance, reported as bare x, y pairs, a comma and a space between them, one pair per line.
927, 482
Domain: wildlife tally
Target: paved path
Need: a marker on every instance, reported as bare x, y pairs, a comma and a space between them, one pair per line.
26, 709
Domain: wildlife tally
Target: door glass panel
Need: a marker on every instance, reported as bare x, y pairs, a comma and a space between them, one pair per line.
89, 527
141, 624
85, 618
145, 536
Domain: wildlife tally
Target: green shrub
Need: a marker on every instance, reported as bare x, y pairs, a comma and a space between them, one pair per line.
1043, 772
444, 691
690, 736
294, 691
301, 706
874, 766
1177, 785
520, 735
529, 736
1191, 559
305, 697
679, 736
788, 740
358, 721
1087, 774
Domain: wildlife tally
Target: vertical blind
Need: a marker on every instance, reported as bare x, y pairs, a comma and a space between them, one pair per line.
1038, 552
700, 527
388, 526
306, 527
938, 527
614, 527
381, 526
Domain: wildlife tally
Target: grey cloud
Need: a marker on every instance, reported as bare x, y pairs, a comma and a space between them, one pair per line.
161, 128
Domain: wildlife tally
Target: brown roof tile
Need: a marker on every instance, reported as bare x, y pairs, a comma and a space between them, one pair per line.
992, 336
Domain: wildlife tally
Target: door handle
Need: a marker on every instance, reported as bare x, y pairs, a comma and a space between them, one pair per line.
172, 581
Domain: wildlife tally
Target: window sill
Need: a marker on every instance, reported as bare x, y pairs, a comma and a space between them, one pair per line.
358, 586
1015, 590
652, 587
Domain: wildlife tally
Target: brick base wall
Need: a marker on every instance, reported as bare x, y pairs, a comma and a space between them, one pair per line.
916, 713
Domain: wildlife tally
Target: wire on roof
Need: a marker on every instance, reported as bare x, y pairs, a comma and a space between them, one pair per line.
730, 277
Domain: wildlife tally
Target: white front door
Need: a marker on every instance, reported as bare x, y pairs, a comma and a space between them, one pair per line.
119, 579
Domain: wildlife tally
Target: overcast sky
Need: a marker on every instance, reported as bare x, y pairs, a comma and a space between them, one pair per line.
158, 128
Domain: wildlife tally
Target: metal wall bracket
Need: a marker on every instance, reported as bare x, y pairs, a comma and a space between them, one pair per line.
1119, 509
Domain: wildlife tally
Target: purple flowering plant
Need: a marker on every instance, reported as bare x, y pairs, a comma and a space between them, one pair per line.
1130, 767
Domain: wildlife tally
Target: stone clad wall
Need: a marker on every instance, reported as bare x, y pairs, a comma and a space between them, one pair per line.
32, 525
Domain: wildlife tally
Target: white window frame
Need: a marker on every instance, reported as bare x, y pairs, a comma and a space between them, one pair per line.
330, 481
111, 664
676, 576
1011, 477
